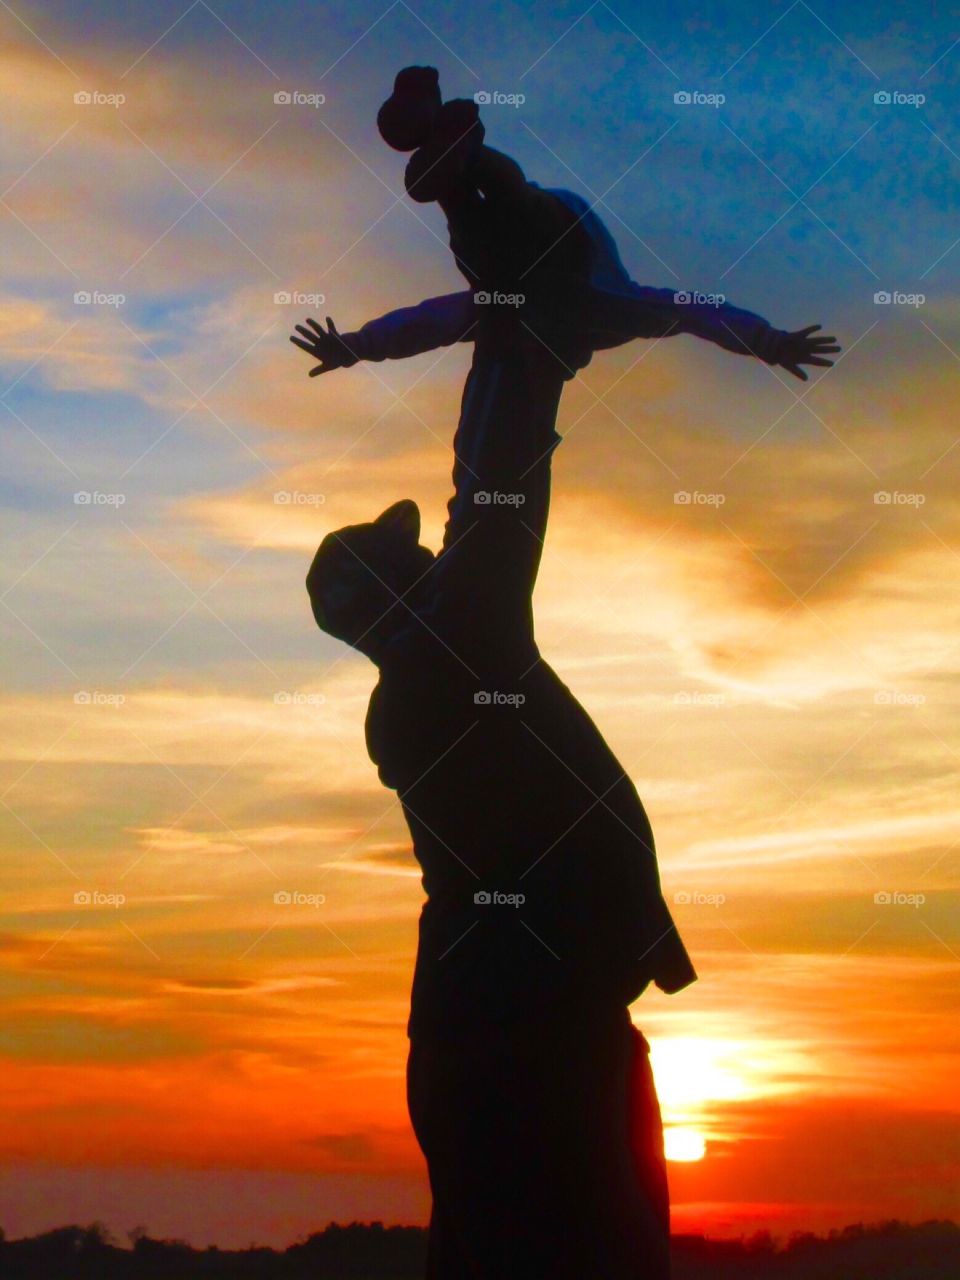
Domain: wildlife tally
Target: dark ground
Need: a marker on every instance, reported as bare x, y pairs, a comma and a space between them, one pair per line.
889, 1251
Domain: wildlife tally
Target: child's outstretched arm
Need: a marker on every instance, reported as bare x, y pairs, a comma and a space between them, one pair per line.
744, 333
409, 331
647, 312
804, 346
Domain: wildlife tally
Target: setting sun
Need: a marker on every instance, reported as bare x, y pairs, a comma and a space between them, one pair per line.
684, 1145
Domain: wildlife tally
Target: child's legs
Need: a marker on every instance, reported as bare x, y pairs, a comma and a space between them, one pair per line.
543, 215
504, 231
497, 176
467, 227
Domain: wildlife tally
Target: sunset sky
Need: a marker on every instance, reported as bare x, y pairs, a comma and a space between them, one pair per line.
777, 667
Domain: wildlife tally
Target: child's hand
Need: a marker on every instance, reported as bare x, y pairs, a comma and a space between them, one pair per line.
325, 345
800, 348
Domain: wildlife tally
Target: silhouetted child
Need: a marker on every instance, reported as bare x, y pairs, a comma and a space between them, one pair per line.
515, 240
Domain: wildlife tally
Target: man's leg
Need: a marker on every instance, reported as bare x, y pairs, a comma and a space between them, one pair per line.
544, 1148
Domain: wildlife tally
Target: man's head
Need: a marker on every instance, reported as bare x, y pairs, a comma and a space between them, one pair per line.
360, 573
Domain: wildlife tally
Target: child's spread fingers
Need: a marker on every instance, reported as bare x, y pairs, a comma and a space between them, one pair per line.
309, 347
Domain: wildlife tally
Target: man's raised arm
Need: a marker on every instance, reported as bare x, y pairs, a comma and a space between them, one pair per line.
498, 515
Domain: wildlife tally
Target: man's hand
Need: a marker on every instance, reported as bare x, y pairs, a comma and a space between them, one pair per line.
325, 345
801, 347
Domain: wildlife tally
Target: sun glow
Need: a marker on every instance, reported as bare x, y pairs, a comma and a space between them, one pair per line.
683, 1144
691, 1071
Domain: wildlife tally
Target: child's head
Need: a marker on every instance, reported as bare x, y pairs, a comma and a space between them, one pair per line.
406, 118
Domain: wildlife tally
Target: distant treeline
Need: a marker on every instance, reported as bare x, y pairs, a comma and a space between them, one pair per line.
371, 1251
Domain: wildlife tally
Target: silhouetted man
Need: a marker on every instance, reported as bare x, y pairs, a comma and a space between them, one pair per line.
529, 1088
